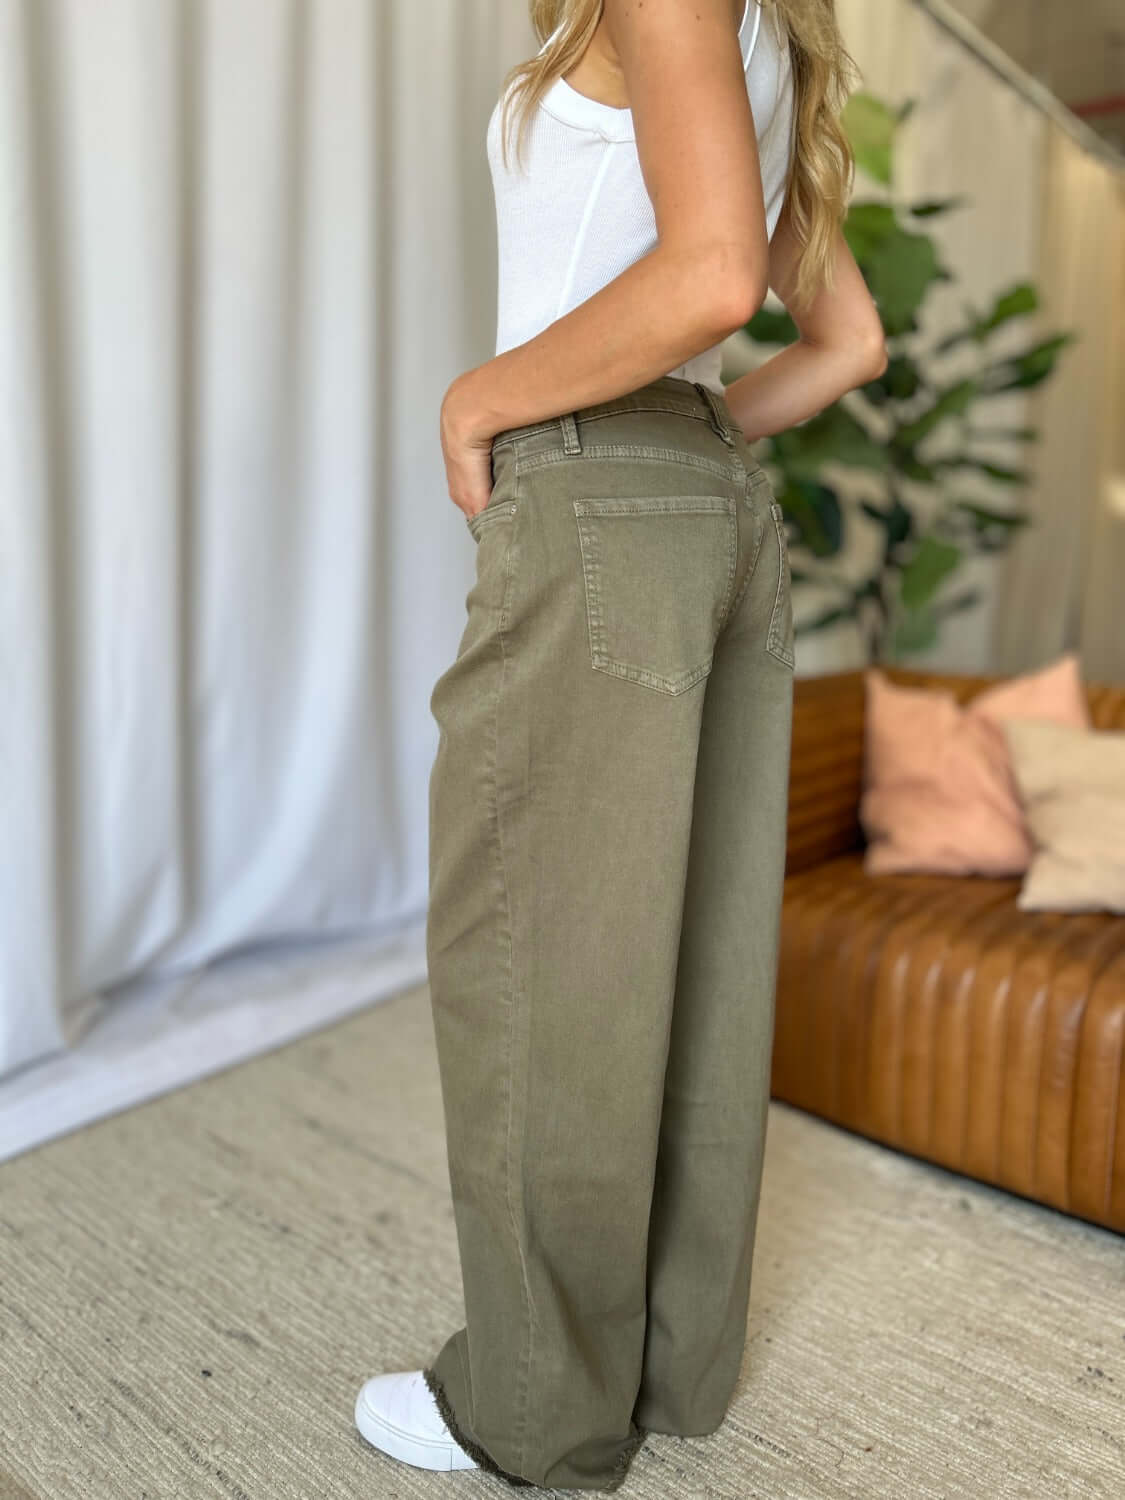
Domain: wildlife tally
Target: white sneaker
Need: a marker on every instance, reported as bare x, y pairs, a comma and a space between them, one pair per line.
398, 1414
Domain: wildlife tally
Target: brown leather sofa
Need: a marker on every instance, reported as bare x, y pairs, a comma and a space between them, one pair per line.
929, 1012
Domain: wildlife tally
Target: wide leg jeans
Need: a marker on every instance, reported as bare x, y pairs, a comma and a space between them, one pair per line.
607, 846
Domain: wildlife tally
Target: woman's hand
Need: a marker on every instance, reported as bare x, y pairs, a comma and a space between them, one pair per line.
467, 450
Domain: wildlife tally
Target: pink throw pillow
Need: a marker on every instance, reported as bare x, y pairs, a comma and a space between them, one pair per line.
939, 792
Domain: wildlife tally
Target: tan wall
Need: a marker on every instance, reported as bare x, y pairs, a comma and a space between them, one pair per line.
1076, 48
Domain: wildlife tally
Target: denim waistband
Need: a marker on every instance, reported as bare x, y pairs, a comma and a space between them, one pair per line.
671, 393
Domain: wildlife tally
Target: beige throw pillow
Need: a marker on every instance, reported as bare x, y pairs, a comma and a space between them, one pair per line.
1072, 786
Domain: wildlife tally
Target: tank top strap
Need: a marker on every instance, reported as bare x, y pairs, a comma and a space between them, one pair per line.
749, 53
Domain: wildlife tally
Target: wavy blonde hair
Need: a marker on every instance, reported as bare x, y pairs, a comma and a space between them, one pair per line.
824, 73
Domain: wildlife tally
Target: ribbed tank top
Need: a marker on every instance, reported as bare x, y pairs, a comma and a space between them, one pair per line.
579, 213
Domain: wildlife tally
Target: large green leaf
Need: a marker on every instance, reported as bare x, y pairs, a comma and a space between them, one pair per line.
870, 127
867, 226
1003, 434
815, 512
1021, 371
951, 401
917, 630
899, 271
768, 326
833, 435
898, 521
1002, 473
930, 208
992, 530
1016, 302
911, 467
901, 380
984, 517
932, 560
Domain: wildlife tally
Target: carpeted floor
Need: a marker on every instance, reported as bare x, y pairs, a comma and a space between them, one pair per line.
192, 1291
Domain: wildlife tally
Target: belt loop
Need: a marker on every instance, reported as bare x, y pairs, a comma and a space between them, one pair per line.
571, 441
718, 420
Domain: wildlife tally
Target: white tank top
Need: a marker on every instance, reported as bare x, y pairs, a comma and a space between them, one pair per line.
579, 213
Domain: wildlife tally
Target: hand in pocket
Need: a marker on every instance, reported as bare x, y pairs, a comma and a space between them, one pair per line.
468, 456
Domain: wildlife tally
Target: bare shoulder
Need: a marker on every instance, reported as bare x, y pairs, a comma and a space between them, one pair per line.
599, 73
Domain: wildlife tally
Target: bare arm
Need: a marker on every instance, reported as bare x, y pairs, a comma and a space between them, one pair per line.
705, 278
840, 345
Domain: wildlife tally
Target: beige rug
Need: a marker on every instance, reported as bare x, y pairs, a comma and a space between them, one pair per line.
191, 1293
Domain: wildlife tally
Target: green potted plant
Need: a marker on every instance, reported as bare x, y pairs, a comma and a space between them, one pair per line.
916, 431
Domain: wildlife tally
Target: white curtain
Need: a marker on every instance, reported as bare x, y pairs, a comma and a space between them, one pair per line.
244, 247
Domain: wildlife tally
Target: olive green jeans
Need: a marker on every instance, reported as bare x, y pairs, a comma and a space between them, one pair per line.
607, 847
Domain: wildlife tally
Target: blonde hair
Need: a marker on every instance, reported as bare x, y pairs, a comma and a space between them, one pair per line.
820, 176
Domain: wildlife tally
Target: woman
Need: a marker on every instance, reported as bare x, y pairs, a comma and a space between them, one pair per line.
608, 799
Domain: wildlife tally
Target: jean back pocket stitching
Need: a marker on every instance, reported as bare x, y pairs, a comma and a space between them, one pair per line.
489, 514
600, 656
759, 538
774, 641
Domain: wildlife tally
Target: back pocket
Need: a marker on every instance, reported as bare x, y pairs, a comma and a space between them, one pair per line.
658, 571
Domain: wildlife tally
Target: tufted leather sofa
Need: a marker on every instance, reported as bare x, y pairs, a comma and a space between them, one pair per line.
927, 1011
